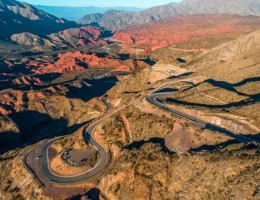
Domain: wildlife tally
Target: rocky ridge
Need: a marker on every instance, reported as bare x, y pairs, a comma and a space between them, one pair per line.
17, 17
74, 37
110, 20
205, 30
78, 61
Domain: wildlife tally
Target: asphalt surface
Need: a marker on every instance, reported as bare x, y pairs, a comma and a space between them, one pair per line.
88, 136
105, 155
152, 98
108, 105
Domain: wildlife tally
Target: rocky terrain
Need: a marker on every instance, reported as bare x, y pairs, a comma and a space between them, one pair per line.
233, 70
17, 17
156, 162
191, 32
56, 86
77, 61
69, 38
238, 59
110, 20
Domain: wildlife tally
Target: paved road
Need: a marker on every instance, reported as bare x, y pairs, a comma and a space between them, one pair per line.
152, 98
108, 105
104, 159
104, 154
88, 135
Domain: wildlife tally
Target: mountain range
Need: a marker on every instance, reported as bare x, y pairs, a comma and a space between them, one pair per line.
75, 13
110, 18
17, 17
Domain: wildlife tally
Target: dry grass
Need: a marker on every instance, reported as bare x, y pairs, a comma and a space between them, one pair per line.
148, 173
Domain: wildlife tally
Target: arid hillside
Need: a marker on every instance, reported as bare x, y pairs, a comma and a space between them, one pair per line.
189, 32
69, 38
164, 110
235, 61
233, 81
155, 154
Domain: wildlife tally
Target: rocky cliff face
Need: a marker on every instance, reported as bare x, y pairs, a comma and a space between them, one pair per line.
17, 17
119, 19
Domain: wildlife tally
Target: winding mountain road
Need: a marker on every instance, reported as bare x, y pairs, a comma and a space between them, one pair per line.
104, 159
105, 155
153, 99
88, 136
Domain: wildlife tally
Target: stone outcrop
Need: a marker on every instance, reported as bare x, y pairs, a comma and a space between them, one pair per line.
77, 61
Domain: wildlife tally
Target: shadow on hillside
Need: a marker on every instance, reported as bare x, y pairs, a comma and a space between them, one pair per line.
207, 147
223, 145
252, 100
240, 137
93, 194
248, 80
232, 87
182, 75
33, 126
98, 88
225, 85
149, 62
39, 27
154, 140
106, 33
6, 82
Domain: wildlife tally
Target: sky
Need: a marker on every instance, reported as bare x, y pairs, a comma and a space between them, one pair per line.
101, 3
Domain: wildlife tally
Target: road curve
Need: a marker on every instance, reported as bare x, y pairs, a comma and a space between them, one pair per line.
88, 136
105, 155
152, 98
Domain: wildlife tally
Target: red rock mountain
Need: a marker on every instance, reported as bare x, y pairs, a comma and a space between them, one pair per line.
77, 61
181, 29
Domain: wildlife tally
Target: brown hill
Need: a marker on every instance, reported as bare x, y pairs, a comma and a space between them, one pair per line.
233, 62
74, 37
232, 85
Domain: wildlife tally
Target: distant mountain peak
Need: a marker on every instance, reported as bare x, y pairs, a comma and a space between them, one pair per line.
115, 20
17, 17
